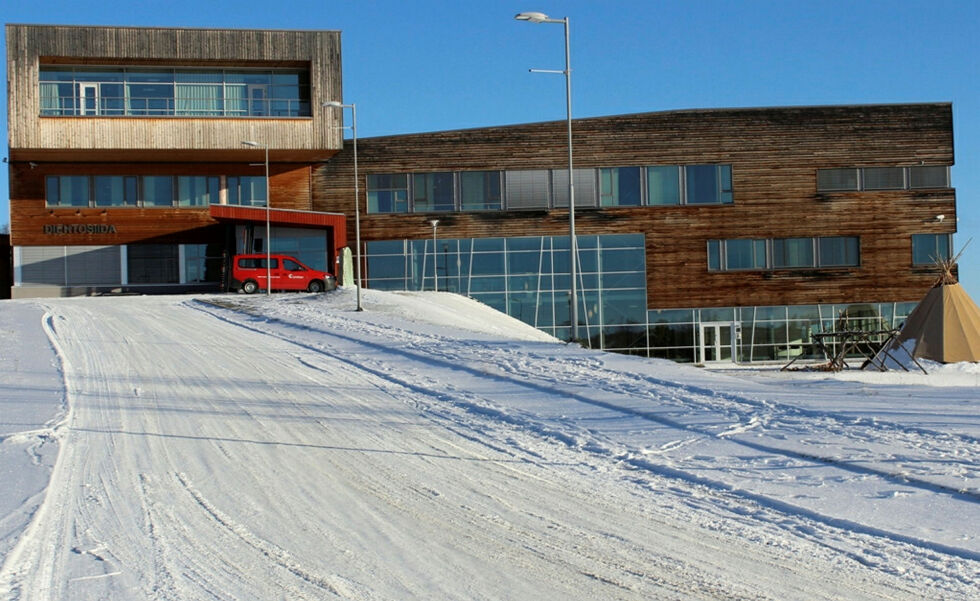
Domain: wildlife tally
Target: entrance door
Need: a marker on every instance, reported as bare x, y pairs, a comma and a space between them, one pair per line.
717, 342
88, 98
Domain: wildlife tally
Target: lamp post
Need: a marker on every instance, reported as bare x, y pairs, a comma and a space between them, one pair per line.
357, 200
536, 17
435, 256
268, 225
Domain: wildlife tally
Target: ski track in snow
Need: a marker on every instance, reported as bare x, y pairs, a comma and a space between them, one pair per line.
505, 475
499, 363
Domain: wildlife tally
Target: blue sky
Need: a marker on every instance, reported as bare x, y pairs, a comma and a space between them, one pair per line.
430, 65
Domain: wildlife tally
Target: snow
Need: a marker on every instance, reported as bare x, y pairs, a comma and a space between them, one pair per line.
428, 447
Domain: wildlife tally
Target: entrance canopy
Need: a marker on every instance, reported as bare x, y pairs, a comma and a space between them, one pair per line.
337, 222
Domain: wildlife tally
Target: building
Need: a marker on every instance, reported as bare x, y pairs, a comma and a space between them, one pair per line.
128, 171
703, 235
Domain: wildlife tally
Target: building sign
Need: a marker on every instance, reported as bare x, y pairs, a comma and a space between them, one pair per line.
79, 228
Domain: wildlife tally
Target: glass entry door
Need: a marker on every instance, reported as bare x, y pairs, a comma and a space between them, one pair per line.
88, 96
717, 343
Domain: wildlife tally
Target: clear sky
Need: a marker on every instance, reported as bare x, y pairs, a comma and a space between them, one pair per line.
429, 65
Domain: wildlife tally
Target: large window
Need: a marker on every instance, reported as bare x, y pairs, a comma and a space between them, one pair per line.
388, 193
528, 189
792, 252
619, 187
247, 190
882, 178
433, 192
116, 190
784, 253
145, 91
546, 189
927, 249
151, 190
664, 185
708, 184
480, 190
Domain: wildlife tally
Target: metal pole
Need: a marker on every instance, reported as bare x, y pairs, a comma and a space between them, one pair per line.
536, 17
357, 211
571, 186
268, 227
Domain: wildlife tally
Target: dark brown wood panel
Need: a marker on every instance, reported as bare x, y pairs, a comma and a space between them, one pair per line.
774, 153
34, 224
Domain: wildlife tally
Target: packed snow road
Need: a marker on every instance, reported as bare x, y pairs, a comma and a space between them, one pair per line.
288, 448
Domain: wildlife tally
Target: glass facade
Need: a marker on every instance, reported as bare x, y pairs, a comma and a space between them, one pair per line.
527, 278
156, 92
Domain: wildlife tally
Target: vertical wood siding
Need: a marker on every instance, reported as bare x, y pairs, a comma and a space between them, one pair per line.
28, 46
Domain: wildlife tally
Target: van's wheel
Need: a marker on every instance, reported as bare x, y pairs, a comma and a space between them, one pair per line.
315, 286
250, 287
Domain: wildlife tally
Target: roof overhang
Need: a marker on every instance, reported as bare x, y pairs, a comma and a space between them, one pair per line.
288, 217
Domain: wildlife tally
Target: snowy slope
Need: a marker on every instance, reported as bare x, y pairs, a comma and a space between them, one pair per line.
289, 447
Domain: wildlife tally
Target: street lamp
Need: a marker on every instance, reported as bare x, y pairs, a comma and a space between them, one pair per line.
435, 256
357, 201
268, 226
536, 17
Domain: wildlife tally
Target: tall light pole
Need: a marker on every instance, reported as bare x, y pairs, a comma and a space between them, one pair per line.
268, 225
536, 17
357, 198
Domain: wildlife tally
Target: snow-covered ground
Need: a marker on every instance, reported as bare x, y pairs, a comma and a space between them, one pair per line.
233, 447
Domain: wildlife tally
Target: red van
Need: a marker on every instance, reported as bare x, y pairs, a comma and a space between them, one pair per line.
249, 273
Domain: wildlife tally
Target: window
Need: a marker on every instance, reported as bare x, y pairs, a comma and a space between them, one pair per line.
158, 191
67, 191
198, 191
479, 190
829, 180
838, 251
928, 248
663, 185
115, 190
619, 187
387, 193
433, 192
884, 178
745, 254
732, 255
792, 252
247, 190
527, 189
934, 176
708, 184
153, 263
143, 91
584, 187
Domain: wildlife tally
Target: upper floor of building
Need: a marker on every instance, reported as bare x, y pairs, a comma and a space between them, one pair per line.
106, 93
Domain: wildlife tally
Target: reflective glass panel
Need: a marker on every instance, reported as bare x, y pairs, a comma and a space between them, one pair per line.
663, 185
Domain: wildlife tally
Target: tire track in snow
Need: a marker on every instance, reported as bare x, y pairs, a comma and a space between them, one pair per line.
587, 441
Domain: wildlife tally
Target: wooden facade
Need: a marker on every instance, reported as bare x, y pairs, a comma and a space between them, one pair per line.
34, 137
93, 145
774, 153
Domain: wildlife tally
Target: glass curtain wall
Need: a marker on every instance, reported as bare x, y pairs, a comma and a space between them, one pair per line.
528, 278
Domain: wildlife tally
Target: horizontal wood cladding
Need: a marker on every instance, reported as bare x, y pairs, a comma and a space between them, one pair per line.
774, 155
31, 222
31, 45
